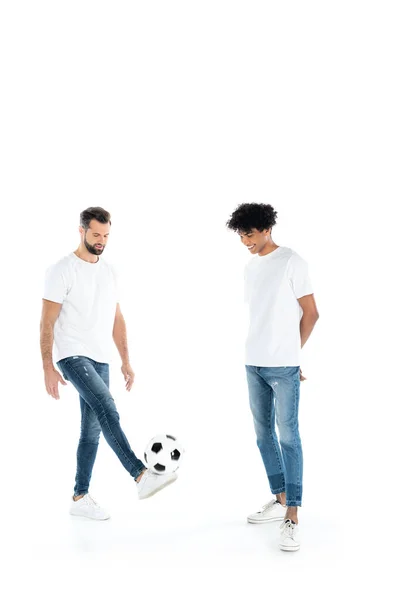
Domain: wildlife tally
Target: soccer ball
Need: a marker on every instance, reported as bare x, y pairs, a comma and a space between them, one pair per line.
163, 454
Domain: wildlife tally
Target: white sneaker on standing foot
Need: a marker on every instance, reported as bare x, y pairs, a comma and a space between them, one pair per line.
87, 507
272, 511
150, 483
289, 536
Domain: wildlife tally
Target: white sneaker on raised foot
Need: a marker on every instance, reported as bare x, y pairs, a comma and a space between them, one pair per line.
289, 536
272, 511
87, 507
150, 483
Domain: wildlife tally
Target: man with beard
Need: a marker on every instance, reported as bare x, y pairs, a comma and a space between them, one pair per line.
81, 316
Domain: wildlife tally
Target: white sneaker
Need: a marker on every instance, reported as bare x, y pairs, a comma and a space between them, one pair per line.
273, 511
87, 507
289, 536
150, 483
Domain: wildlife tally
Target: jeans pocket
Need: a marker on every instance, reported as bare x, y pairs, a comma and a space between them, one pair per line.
59, 365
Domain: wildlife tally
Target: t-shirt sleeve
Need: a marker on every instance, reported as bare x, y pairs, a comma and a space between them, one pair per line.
55, 285
299, 277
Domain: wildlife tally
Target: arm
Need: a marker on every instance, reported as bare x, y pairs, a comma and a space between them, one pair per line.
120, 339
119, 336
309, 318
50, 312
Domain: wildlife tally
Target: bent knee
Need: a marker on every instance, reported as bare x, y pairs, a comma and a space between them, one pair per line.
94, 440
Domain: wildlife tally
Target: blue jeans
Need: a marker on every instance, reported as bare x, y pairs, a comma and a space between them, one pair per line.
98, 413
274, 395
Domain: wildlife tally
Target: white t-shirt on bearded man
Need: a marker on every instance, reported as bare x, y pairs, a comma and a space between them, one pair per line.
273, 284
88, 293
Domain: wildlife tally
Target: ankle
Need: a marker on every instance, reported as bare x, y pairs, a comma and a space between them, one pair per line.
76, 498
140, 476
292, 515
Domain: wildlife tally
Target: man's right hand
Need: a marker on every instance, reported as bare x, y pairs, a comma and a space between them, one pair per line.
51, 379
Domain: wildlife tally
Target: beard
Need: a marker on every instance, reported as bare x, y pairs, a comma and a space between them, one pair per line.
92, 249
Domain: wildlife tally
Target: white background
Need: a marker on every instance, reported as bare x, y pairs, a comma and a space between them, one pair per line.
168, 115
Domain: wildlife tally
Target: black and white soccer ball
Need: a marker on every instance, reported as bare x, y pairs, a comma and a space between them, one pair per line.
163, 454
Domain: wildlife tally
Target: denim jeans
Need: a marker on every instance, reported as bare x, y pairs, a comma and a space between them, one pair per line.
274, 394
98, 413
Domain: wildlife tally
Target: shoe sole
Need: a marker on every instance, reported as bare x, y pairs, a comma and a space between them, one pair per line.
86, 517
289, 548
259, 522
164, 485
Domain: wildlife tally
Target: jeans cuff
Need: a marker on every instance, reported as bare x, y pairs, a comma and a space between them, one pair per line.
140, 470
278, 490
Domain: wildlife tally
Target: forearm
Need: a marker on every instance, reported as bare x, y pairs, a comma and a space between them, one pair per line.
120, 339
306, 326
46, 344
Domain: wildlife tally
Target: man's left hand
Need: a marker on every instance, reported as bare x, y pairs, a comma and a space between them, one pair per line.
129, 376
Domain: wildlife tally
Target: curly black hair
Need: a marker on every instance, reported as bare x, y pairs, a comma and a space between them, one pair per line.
252, 216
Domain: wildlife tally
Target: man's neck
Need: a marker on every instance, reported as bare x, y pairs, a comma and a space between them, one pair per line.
86, 256
268, 248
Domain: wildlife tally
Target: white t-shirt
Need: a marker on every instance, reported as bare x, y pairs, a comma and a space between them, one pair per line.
273, 283
88, 294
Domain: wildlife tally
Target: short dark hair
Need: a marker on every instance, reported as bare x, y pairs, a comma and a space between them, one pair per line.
252, 216
94, 212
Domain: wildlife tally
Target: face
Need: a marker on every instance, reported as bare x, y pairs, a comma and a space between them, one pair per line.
96, 237
255, 240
